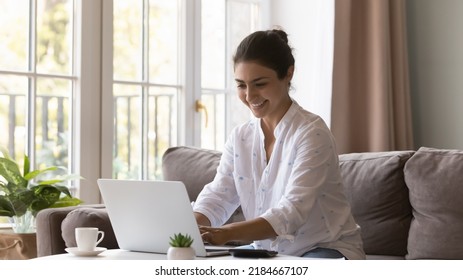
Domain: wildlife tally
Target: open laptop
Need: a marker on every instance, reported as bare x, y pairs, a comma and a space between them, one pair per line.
145, 214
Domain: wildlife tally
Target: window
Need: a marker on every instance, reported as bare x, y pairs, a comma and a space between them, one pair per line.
224, 24
146, 85
37, 81
104, 87
162, 73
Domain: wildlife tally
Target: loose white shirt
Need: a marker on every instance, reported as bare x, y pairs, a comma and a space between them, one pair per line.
298, 191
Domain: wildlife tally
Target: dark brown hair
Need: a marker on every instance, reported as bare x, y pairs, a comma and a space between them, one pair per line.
269, 48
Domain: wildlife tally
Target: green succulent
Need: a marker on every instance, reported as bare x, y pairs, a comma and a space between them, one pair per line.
20, 193
180, 240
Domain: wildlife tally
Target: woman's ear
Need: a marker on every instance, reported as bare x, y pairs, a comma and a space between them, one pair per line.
289, 74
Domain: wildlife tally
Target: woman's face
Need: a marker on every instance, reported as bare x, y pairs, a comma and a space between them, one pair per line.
260, 89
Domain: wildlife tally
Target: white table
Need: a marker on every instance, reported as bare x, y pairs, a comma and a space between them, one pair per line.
118, 254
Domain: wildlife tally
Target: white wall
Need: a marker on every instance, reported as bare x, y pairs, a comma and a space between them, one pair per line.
436, 71
436, 63
312, 42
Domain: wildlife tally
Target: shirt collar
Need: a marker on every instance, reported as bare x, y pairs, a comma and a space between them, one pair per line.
287, 118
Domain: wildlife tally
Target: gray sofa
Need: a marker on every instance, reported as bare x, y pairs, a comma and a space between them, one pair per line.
408, 203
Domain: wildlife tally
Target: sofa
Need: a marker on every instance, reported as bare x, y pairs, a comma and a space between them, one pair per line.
407, 203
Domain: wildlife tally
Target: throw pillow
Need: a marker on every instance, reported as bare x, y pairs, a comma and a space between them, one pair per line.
88, 217
435, 180
195, 167
375, 187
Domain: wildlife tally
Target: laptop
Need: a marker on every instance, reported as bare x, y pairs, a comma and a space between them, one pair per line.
145, 214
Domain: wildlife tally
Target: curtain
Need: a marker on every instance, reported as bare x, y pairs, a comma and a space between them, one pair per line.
371, 108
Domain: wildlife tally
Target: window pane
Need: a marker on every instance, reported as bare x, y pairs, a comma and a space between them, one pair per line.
54, 36
213, 44
52, 122
162, 127
242, 20
127, 131
163, 41
14, 34
223, 28
13, 103
128, 31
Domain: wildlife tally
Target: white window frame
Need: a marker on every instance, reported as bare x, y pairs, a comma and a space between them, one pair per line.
88, 118
94, 106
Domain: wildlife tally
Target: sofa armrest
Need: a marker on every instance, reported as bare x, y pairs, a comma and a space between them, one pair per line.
48, 227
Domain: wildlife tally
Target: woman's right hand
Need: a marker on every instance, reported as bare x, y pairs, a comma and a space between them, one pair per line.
215, 236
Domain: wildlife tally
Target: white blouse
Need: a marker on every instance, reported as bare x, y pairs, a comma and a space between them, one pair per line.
299, 192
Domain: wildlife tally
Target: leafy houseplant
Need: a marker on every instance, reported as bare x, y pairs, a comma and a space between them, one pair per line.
22, 195
180, 247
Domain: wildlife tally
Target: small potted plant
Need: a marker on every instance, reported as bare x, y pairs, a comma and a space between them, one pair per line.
180, 248
23, 195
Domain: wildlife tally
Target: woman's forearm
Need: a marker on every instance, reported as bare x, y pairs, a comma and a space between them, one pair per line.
201, 219
256, 229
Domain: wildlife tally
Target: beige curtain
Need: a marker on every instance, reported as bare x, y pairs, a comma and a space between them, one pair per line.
371, 108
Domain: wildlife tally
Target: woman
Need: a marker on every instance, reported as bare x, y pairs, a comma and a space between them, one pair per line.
281, 167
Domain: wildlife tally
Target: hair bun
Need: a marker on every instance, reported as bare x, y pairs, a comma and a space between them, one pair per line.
283, 35
269, 48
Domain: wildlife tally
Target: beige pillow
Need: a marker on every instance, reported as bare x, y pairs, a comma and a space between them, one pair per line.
375, 187
195, 167
435, 180
88, 217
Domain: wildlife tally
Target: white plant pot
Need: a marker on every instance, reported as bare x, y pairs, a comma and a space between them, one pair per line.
181, 253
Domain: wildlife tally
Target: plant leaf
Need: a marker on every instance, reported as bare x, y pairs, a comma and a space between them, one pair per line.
61, 179
3, 187
41, 204
5, 207
66, 201
44, 197
35, 173
21, 200
64, 189
10, 171
27, 165
48, 193
5, 153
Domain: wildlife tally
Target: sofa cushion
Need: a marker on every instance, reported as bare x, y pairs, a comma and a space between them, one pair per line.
195, 167
88, 217
434, 178
375, 187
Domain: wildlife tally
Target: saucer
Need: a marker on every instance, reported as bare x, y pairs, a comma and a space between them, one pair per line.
76, 252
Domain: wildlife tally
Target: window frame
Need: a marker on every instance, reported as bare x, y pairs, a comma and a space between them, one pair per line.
92, 62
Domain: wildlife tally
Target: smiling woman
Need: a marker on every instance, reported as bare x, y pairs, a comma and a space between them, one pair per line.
282, 167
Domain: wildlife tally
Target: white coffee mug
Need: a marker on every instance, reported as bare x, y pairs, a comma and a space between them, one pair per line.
87, 238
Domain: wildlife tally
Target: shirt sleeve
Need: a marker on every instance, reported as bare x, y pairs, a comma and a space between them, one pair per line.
219, 199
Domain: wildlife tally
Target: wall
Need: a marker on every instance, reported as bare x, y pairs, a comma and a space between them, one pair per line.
435, 42
436, 71
310, 25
